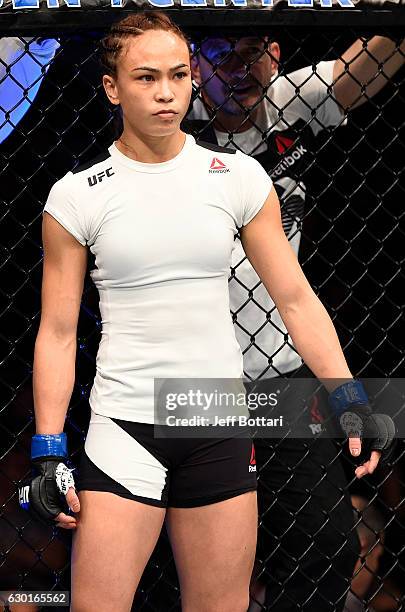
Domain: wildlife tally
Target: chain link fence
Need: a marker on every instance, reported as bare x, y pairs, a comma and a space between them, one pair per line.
341, 187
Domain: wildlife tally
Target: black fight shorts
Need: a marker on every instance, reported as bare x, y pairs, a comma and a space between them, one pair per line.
125, 458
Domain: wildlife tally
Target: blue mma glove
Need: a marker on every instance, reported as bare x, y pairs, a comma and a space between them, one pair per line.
41, 495
350, 405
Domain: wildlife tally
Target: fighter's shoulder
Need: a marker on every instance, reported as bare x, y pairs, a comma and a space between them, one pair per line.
93, 171
85, 174
215, 158
250, 168
93, 164
210, 146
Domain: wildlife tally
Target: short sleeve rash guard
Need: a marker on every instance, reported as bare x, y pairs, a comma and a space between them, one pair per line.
162, 236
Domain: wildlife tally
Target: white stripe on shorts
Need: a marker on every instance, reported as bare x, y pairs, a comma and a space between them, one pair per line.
122, 458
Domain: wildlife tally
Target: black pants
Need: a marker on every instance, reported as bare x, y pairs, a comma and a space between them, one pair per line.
307, 546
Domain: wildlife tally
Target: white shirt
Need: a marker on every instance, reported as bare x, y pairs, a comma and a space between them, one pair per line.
281, 108
162, 236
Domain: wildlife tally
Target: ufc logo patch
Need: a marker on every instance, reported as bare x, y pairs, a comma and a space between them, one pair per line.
97, 178
23, 497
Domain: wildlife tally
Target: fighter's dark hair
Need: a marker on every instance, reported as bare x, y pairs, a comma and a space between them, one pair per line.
134, 25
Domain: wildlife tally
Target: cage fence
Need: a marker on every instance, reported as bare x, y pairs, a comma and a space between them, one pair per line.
341, 188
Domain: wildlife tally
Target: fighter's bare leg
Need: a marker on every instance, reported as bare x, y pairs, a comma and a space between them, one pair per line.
112, 543
214, 549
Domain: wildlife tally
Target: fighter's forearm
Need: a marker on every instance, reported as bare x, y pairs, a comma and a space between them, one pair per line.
364, 69
53, 380
315, 338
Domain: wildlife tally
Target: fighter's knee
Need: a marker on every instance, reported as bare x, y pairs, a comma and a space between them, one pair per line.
241, 605
236, 604
84, 604
96, 600
233, 603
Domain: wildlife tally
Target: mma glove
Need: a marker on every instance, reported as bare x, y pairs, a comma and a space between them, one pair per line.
351, 407
43, 494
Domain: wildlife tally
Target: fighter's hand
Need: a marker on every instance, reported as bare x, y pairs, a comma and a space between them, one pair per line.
45, 493
65, 521
369, 434
367, 467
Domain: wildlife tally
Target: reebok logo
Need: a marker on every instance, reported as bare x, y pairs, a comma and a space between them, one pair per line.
288, 160
97, 178
252, 462
217, 166
316, 416
283, 143
317, 419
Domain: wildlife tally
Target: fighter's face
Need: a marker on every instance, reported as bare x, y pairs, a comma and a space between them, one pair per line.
233, 73
153, 75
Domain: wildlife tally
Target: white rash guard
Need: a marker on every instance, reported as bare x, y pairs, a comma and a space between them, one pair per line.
162, 236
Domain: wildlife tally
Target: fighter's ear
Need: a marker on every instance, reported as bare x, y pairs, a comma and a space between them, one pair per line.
274, 51
195, 68
110, 89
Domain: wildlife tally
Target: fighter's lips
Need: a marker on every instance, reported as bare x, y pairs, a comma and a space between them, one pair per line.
167, 112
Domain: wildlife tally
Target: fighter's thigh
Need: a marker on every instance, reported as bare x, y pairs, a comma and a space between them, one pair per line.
112, 543
214, 548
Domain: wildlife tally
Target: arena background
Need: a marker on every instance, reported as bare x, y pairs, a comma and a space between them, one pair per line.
352, 250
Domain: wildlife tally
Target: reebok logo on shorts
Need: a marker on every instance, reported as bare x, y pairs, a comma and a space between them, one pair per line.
217, 166
316, 417
252, 462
